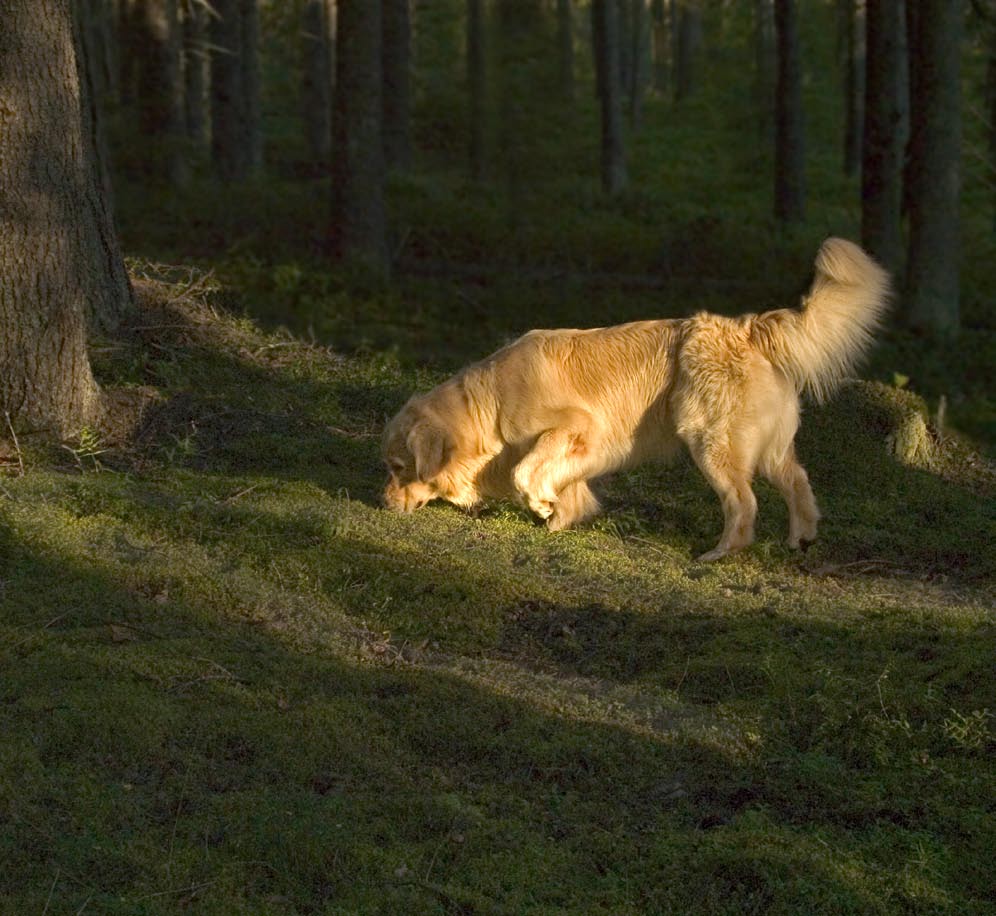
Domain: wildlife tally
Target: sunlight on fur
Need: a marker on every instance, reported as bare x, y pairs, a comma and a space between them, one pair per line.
554, 410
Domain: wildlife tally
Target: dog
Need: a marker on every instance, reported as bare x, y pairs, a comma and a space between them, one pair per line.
542, 417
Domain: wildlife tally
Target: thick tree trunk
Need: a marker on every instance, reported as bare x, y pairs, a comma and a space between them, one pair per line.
565, 49
196, 58
476, 63
790, 161
316, 89
934, 174
52, 254
882, 165
397, 62
605, 35
852, 35
360, 227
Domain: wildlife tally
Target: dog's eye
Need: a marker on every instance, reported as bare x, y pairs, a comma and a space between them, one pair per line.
397, 465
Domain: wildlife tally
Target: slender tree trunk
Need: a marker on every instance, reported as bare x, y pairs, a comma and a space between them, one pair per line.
624, 11
252, 130
360, 225
640, 67
228, 114
476, 63
397, 57
565, 47
991, 95
935, 149
764, 67
162, 116
195, 71
316, 90
790, 162
689, 39
128, 52
52, 255
882, 165
661, 46
854, 81
605, 34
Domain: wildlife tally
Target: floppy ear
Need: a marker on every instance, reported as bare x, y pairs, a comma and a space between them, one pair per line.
431, 447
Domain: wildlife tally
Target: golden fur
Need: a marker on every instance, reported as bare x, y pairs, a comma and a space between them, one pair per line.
548, 413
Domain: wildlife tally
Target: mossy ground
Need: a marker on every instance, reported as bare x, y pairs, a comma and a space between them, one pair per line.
233, 683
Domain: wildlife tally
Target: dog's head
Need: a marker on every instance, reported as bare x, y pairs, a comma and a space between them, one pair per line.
416, 448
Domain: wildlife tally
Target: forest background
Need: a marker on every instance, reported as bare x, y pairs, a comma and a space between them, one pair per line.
232, 681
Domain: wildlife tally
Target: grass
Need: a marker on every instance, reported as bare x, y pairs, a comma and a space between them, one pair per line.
232, 682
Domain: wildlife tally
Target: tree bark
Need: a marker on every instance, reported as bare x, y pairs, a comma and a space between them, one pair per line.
52, 254
396, 94
316, 89
790, 162
196, 59
565, 48
932, 284
359, 220
252, 85
688, 39
236, 129
852, 35
882, 165
764, 67
605, 34
476, 63
161, 99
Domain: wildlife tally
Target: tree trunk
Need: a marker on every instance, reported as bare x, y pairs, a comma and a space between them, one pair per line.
476, 63
128, 54
52, 255
764, 67
790, 162
316, 89
934, 173
161, 98
991, 93
605, 34
565, 47
195, 71
661, 46
882, 165
854, 81
688, 40
360, 229
251, 85
640, 66
236, 129
397, 62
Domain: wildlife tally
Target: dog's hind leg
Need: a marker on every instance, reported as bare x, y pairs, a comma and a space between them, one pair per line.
792, 482
730, 478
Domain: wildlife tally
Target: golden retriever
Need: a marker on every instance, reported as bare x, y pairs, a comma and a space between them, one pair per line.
553, 410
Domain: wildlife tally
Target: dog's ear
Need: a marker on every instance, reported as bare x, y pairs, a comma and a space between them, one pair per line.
431, 446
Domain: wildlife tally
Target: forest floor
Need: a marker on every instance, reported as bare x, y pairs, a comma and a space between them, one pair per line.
233, 683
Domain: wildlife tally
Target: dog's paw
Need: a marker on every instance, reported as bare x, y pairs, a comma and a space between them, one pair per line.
544, 508
710, 556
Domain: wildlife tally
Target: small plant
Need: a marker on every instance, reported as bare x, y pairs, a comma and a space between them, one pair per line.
87, 449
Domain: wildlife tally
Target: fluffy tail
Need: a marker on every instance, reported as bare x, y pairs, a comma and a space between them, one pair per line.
819, 344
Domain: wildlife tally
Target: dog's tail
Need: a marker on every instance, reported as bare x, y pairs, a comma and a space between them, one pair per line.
819, 344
